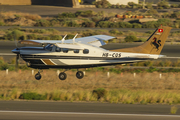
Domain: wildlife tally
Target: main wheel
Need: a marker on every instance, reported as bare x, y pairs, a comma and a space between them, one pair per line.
38, 76
62, 76
79, 74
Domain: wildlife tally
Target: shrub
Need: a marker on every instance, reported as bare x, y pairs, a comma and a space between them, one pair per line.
100, 92
11, 35
125, 25
1, 23
123, 6
32, 36
152, 11
137, 25
24, 67
70, 36
96, 19
4, 66
174, 5
149, 5
42, 23
114, 31
165, 22
72, 24
39, 31
55, 37
175, 15
88, 13
114, 25
89, 33
1, 60
101, 13
103, 3
89, 24
104, 24
130, 38
67, 15
150, 24
142, 40
32, 96
163, 4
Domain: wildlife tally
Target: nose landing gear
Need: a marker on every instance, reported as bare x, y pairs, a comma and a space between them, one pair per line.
38, 76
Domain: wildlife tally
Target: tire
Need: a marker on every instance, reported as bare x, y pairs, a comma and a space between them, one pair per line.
79, 74
62, 76
38, 76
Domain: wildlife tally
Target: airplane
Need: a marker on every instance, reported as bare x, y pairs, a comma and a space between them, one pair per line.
86, 52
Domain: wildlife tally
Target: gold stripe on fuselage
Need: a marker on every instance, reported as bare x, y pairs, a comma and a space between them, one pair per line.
47, 62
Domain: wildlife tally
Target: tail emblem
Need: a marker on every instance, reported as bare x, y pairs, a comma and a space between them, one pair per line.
156, 43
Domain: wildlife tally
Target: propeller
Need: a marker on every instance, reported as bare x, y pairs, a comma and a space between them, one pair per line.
17, 52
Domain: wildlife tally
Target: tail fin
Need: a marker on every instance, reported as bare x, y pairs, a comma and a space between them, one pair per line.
153, 45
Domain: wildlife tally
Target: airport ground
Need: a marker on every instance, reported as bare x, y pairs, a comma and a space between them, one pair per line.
51, 11
42, 110
28, 110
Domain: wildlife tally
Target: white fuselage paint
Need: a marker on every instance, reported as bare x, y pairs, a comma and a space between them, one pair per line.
95, 56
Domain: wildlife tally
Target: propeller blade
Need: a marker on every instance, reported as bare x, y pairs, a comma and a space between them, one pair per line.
17, 62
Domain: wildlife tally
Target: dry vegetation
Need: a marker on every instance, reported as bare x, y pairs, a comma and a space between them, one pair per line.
118, 88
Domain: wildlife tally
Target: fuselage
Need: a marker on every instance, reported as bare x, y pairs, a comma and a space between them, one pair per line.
53, 56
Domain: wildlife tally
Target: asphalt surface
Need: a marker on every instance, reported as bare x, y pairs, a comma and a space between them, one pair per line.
70, 29
52, 11
41, 110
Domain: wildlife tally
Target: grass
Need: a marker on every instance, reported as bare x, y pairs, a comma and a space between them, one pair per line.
95, 86
174, 109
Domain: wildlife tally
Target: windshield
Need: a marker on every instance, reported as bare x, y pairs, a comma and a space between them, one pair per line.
49, 47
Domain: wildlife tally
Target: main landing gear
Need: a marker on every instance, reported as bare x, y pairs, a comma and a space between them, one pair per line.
63, 75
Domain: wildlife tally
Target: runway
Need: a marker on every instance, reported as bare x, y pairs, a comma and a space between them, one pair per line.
72, 29
42, 110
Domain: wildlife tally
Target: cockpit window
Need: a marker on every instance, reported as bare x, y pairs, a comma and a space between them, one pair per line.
76, 51
85, 51
49, 47
65, 50
58, 49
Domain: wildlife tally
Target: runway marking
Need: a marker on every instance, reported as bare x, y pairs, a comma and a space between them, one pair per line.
81, 113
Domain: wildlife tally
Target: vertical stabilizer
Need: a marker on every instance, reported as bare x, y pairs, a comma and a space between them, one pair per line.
153, 45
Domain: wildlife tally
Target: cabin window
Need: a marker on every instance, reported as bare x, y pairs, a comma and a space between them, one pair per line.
85, 51
65, 50
58, 49
49, 47
76, 51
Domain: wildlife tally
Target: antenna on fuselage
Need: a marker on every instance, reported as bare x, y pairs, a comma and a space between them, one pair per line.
63, 38
75, 38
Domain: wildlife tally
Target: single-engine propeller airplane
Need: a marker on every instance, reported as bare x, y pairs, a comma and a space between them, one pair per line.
86, 52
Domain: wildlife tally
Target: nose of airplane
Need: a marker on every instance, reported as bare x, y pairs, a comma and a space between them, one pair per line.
16, 51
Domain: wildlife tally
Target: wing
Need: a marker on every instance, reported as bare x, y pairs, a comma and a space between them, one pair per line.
96, 40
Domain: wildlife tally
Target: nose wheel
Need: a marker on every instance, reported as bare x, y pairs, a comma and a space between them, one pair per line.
38, 76
79, 74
